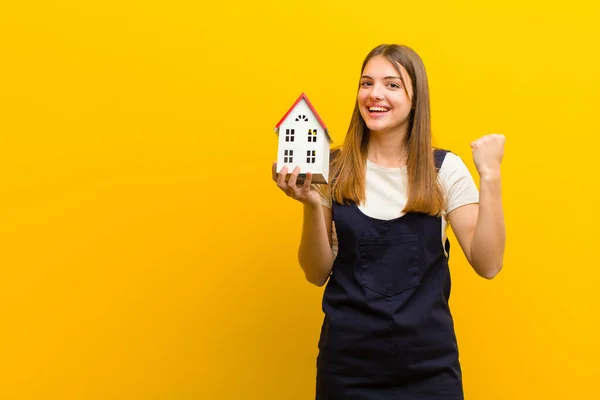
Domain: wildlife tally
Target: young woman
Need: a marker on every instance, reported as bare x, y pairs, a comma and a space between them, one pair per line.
377, 236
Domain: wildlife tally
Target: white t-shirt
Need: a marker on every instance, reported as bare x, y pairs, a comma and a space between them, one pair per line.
386, 194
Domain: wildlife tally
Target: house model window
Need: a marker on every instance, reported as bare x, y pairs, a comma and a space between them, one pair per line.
289, 135
302, 118
288, 156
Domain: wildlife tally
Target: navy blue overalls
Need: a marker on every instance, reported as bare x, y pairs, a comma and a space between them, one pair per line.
388, 332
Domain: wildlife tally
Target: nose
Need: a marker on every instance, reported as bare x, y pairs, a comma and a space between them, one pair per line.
375, 93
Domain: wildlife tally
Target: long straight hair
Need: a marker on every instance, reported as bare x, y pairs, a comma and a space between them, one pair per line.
348, 162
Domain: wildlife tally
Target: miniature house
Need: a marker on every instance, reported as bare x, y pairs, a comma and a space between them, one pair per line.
303, 141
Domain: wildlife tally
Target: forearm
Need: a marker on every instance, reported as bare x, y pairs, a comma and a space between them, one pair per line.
314, 253
487, 246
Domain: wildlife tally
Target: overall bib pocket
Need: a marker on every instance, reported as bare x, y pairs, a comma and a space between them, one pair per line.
390, 264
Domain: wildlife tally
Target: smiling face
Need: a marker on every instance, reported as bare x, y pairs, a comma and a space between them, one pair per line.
384, 97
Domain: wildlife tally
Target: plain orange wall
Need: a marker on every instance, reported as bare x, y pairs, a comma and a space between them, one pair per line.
146, 254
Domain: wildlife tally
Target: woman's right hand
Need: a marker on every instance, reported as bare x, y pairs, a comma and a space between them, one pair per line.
297, 191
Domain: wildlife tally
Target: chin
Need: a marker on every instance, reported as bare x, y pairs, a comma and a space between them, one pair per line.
375, 127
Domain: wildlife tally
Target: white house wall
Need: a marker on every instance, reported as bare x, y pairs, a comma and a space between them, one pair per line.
324, 159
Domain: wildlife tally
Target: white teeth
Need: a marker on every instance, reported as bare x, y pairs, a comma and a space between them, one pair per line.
383, 109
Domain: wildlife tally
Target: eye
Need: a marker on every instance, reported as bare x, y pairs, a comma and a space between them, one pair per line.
365, 83
394, 85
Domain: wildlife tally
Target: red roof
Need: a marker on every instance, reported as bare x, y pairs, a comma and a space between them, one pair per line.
303, 96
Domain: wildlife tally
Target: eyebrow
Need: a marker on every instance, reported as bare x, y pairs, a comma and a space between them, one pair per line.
386, 77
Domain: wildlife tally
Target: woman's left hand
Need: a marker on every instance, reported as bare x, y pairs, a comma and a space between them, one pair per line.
488, 152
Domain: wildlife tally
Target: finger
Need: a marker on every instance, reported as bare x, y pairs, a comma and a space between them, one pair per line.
292, 189
294, 177
281, 177
307, 182
274, 171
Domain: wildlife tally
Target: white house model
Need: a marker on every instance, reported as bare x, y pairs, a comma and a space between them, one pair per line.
303, 141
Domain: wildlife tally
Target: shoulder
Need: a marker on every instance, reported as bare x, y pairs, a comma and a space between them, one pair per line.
452, 165
457, 181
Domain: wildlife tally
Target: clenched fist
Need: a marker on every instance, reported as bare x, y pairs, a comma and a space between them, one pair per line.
488, 152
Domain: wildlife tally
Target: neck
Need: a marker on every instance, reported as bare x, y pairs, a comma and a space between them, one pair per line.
387, 150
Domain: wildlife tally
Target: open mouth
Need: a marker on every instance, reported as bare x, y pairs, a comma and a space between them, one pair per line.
378, 109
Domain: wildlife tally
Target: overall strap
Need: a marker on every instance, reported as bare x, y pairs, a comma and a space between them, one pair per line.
438, 156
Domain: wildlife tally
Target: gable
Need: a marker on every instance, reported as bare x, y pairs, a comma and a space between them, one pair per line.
301, 112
